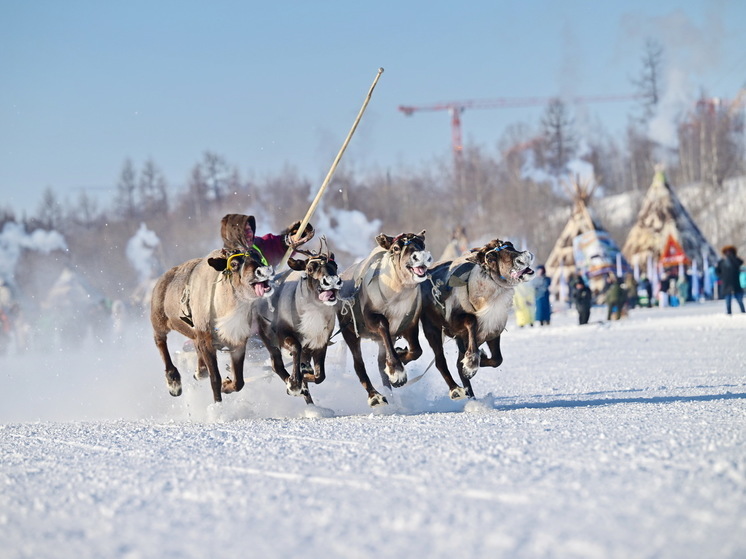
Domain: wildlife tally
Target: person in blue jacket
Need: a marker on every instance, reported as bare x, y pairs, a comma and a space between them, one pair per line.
541, 289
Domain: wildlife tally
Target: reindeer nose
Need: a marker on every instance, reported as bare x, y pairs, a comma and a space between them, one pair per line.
265, 272
525, 258
424, 258
331, 282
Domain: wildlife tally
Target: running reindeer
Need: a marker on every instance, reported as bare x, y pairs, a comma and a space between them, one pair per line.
470, 300
300, 317
386, 305
223, 291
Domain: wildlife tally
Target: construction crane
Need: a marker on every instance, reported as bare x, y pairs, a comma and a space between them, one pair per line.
455, 108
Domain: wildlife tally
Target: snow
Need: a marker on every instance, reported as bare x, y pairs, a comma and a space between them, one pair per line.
613, 440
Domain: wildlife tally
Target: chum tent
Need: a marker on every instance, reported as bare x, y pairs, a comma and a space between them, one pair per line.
664, 233
583, 248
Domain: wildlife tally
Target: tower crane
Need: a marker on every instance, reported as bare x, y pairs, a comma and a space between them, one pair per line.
455, 108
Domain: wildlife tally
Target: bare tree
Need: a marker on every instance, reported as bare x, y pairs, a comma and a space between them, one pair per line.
124, 201
649, 82
153, 190
711, 142
559, 138
216, 174
86, 212
49, 214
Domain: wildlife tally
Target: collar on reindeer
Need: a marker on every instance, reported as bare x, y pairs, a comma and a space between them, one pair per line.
232, 256
501, 247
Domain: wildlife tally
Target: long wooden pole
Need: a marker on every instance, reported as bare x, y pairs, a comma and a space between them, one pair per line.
330, 174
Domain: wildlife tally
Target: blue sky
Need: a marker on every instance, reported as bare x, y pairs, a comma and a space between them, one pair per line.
88, 84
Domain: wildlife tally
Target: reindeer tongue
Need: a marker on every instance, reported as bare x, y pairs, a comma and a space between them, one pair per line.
327, 295
419, 270
260, 288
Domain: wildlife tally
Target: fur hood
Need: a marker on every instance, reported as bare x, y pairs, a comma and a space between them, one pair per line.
232, 228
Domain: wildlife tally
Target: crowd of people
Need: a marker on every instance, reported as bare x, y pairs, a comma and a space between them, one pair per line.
533, 301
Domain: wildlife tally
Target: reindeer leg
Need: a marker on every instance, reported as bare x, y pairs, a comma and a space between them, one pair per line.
319, 368
295, 383
275, 355
202, 371
382, 365
470, 360
237, 382
496, 356
394, 368
414, 349
434, 337
206, 351
353, 342
173, 377
465, 380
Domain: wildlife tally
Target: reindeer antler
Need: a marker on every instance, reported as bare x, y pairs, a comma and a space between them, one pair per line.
312, 254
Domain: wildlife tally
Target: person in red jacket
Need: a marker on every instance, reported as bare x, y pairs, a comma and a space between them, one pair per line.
238, 233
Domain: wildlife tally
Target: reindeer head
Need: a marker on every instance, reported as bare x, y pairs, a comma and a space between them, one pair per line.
319, 273
408, 255
248, 271
503, 262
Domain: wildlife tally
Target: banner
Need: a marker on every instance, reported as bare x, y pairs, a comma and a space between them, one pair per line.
673, 254
596, 254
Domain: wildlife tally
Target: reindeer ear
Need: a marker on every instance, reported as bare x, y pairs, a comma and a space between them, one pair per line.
422, 234
476, 256
297, 265
384, 241
252, 223
219, 264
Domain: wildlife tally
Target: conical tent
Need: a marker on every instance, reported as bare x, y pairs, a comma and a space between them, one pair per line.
665, 232
584, 247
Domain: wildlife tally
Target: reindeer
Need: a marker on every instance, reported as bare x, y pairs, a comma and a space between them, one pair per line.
300, 317
223, 291
469, 300
386, 305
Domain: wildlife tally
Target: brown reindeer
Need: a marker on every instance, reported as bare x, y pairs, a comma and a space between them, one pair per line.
386, 305
469, 300
222, 292
300, 317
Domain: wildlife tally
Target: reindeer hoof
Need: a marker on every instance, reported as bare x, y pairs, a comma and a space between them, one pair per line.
377, 400
294, 389
201, 373
228, 387
397, 378
471, 364
457, 393
173, 380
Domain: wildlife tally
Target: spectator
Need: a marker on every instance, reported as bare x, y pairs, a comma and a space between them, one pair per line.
582, 296
728, 271
523, 302
645, 292
541, 291
616, 298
